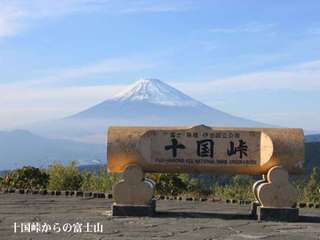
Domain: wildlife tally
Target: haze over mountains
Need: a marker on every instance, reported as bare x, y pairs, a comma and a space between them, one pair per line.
148, 102
20, 148
81, 136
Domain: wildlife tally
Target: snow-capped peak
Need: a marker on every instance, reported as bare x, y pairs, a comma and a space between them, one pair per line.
157, 92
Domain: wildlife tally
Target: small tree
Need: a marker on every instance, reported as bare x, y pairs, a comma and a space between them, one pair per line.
312, 188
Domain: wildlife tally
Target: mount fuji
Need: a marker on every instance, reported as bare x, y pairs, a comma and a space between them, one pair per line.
81, 137
148, 102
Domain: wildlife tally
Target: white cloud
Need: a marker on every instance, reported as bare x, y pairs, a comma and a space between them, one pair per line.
247, 28
18, 15
101, 67
303, 77
151, 7
10, 16
48, 97
309, 120
314, 31
21, 105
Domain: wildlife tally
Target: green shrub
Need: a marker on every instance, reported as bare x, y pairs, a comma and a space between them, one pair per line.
240, 188
170, 183
60, 177
27, 178
101, 182
64, 177
198, 187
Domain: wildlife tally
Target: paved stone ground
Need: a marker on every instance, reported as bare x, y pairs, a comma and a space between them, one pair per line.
175, 220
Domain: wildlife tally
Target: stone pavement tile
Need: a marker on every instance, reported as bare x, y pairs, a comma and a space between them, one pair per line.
174, 220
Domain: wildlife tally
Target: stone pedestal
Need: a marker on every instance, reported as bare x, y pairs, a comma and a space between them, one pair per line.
134, 194
277, 214
276, 197
123, 210
253, 209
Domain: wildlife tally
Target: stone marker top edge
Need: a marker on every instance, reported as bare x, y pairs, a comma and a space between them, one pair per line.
186, 127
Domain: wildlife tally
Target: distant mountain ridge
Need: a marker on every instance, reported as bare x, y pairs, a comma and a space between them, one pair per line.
312, 156
312, 138
20, 148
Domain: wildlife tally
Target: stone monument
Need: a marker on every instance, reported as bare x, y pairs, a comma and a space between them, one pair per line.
133, 195
272, 152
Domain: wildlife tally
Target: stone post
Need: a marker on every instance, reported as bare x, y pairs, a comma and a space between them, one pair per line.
134, 194
276, 197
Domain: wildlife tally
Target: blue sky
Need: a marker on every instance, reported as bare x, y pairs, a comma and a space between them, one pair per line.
255, 59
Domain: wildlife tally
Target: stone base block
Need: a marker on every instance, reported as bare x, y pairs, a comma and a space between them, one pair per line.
253, 209
277, 214
133, 210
